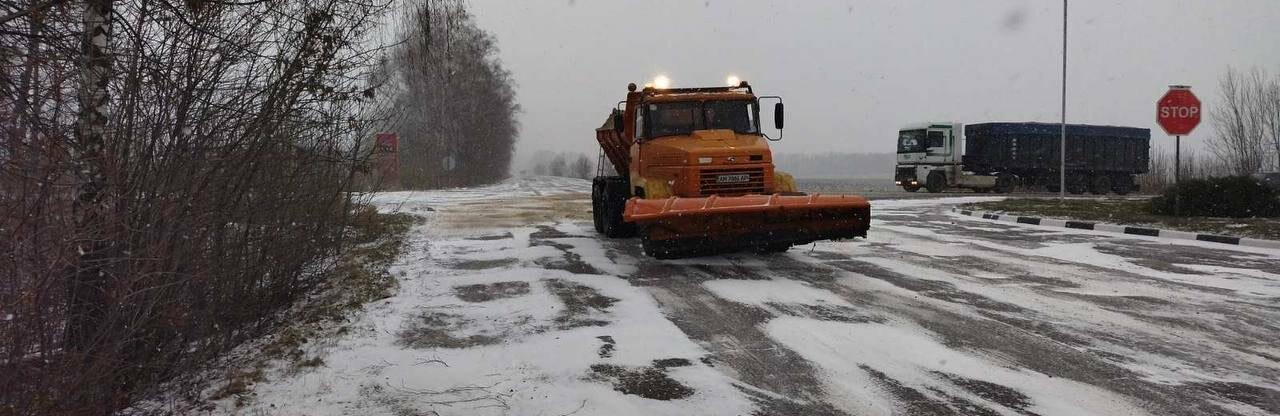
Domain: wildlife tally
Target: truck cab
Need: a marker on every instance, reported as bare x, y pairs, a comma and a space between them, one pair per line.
930, 156
693, 142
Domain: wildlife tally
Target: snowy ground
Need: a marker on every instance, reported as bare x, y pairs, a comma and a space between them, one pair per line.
510, 303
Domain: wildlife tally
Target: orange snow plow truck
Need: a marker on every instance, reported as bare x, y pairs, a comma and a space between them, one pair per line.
694, 176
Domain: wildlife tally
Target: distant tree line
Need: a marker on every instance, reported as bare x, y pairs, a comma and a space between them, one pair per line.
566, 164
453, 104
172, 175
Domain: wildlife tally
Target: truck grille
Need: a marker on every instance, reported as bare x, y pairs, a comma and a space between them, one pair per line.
732, 181
905, 174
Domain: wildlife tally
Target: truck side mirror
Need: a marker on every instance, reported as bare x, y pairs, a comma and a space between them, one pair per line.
777, 116
617, 122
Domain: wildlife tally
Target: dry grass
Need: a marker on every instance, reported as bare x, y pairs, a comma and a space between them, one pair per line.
359, 277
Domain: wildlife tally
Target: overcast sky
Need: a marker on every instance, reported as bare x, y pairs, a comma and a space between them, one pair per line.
853, 72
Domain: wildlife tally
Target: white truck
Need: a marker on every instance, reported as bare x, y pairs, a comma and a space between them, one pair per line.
1001, 157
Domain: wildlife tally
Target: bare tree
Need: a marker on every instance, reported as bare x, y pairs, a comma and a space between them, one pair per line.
145, 239
453, 100
1246, 120
559, 166
583, 168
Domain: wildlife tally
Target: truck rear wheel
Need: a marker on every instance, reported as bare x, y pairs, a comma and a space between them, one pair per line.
615, 194
1101, 185
597, 203
1076, 185
1122, 184
936, 183
1005, 183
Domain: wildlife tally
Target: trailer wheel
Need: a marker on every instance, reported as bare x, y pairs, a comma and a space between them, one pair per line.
936, 182
1122, 185
1101, 185
1004, 183
597, 203
616, 192
1076, 185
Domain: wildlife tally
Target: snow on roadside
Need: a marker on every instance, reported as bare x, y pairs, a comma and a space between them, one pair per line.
481, 326
521, 187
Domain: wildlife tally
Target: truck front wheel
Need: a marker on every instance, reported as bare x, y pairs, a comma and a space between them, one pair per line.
936, 183
1101, 185
1076, 185
1005, 183
1122, 185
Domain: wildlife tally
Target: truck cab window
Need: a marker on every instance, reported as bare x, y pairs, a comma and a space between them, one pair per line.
936, 139
680, 118
640, 127
731, 115
911, 141
675, 118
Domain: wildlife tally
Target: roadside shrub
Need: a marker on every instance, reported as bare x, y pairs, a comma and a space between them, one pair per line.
1232, 196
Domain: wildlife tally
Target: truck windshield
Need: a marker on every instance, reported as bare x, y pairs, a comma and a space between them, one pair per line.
911, 141
667, 119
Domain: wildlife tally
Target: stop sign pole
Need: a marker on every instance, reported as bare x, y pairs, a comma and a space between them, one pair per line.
1178, 113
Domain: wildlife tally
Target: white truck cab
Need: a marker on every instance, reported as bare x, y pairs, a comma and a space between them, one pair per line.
930, 155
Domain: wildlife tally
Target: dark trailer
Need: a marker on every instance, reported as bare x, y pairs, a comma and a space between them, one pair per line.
1099, 158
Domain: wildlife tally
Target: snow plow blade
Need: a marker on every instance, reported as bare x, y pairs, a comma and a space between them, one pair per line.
688, 227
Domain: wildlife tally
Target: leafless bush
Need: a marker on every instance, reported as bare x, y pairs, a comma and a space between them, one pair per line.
218, 192
1194, 166
1247, 122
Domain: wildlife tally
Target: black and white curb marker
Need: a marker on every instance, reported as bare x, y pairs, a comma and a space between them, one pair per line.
1122, 229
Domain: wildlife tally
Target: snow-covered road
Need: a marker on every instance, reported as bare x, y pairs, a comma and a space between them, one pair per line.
509, 303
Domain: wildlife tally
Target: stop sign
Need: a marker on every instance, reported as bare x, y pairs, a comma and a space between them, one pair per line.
1178, 112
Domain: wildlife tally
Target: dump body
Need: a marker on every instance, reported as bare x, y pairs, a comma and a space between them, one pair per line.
1033, 148
614, 146
695, 176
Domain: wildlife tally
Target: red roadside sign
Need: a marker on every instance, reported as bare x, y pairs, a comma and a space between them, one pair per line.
1178, 112
387, 151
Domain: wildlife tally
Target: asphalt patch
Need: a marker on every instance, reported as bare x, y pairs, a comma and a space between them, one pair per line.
647, 382
1256, 396
932, 288
482, 264
1041, 328
488, 292
502, 236
437, 329
1005, 396
915, 402
569, 261
835, 313
606, 347
545, 232
781, 405
665, 363
582, 304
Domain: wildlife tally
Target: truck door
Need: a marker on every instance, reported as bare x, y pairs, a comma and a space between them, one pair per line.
938, 147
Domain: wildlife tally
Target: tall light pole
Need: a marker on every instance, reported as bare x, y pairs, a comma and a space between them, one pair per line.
1062, 153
